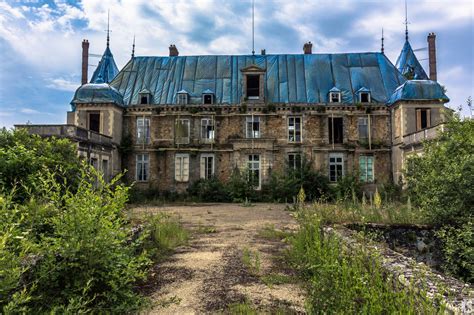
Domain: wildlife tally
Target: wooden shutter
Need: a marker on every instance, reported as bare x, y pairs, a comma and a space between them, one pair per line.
202, 167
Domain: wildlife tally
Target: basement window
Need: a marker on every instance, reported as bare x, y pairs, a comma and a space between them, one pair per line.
253, 87
335, 130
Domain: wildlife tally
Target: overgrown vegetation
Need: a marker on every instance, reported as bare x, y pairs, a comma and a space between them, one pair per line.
66, 244
441, 184
342, 280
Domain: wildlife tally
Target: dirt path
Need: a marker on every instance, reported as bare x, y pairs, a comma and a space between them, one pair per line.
230, 262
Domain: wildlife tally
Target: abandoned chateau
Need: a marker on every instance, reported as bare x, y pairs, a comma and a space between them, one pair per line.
171, 120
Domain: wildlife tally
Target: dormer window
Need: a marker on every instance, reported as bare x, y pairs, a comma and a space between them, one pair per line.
182, 97
364, 95
208, 97
253, 87
144, 97
334, 95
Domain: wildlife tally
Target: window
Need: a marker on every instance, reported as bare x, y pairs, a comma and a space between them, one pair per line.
182, 131
294, 161
105, 169
252, 124
182, 98
362, 124
207, 166
143, 167
94, 121
253, 86
143, 130
366, 168
336, 166
207, 129
294, 129
94, 163
145, 96
335, 130
423, 119
143, 99
335, 97
364, 97
181, 167
207, 98
254, 170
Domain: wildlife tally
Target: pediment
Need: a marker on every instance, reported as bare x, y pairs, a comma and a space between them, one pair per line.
252, 68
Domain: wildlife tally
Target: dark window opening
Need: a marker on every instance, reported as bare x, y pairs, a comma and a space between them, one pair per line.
424, 119
335, 130
94, 122
207, 98
364, 97
335, 97
144, 99
253, 86
294, 161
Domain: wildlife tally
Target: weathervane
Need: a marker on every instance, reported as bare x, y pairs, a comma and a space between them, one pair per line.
133, 47
382, 50
406, 21
108, 28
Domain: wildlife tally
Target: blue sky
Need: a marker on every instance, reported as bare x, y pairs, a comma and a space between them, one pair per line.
40, 41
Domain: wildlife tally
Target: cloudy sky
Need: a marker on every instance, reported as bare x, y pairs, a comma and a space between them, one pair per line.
40, 41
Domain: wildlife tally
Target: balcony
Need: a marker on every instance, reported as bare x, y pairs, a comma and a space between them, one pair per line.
416, 138
72, 132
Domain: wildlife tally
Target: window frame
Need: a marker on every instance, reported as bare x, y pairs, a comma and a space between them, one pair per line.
204, 161
182, 98
204, 131
364, 171
182, 177
369, 97
293, 133
419, 113
142, 166
247, 88
252, 120
89, 114
145, 126
294, 164
331, 94
204, 98
336, 163
331, 134
251, 163
188, 124
366, 120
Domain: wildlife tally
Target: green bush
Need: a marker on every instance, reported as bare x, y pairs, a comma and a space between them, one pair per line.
83, 261
209, 190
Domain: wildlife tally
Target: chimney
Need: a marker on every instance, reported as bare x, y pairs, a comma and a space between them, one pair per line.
85, 60
432, 56
173, 51
307, 48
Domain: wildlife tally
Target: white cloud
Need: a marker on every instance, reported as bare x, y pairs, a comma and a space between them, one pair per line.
63, 84
29, 111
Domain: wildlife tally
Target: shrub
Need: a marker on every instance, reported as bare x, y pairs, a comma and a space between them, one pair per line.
209, 190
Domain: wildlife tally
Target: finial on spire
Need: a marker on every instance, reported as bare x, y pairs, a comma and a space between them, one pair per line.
108, 28
406, 21
133, 47
382, 50
253, 27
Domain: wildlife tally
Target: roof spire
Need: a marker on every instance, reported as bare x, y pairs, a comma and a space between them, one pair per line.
133, 47
406, 21
108, 28
253, 27
382, 50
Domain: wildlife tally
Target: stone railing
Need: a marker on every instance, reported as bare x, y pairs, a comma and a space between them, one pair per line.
68, 131
422, 135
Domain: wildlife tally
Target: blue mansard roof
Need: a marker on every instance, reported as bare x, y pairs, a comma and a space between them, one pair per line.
106, 70
419, 90
299, 78
408, 64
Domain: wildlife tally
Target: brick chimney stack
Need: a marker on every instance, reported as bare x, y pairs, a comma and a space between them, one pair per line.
432, 56
85, 60
308, 48
173, 51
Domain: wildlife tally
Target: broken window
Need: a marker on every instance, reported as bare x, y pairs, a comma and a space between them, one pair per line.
363, 128
181, 167
366, 168
207, 129
294, 129
253, 86
254, 170
252, 124
143, 130
335, 130
335, 97
423, 118
207, 98
294, 161
364, 97
142, 167
144, 99
336, 166
182, 131
94, 121
207, 166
